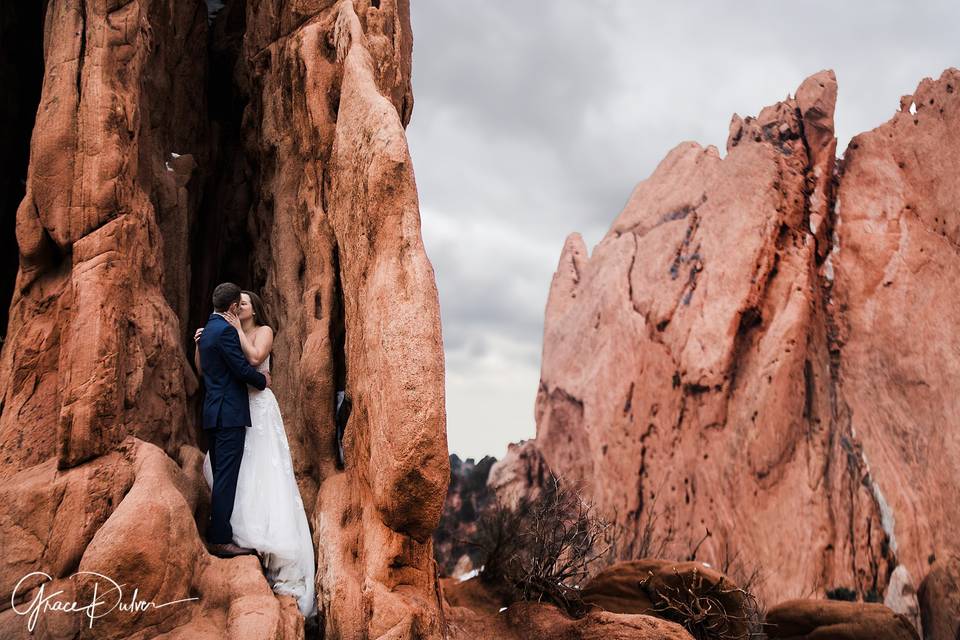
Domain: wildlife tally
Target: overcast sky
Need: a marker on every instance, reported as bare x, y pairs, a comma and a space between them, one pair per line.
535, 119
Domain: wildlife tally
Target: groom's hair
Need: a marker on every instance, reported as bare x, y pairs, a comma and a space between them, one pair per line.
225, 295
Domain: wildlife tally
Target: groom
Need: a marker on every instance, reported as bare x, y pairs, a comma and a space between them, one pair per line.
226, 413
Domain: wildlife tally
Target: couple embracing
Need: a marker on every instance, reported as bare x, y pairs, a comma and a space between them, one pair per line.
255, 501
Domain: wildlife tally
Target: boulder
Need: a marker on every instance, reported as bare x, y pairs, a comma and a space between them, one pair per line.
688, 593
145, 567
814, 619
939, 598
535, 621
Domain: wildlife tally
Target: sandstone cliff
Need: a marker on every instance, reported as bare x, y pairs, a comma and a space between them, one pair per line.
765, 346
167, 156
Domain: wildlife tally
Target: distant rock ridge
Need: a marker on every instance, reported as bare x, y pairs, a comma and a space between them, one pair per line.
467, 497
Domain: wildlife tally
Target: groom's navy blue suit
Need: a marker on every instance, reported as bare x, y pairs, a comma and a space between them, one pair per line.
226, 415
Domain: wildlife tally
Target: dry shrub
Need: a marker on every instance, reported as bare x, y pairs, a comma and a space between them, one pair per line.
746, 574
543, 549
549, 545
707, 610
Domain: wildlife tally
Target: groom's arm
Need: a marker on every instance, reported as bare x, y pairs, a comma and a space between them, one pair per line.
238, 365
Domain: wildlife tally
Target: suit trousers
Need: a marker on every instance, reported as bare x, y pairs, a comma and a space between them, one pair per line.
226, 451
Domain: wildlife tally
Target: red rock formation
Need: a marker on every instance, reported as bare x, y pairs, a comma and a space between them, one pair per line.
339, 204
93, 346
765, 345
896, 265
292, 177
521, 473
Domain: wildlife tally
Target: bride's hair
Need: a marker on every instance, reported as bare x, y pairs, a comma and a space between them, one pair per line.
260, 314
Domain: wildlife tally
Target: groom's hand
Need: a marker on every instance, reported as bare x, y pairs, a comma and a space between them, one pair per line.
234, 321
266, 374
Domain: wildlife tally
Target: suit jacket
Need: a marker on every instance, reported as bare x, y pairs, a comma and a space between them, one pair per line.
226, 374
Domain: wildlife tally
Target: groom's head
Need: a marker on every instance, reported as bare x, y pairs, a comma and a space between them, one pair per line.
225, 295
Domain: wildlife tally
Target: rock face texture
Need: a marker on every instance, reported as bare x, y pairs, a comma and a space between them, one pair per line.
169, 155
764, 345
901, 596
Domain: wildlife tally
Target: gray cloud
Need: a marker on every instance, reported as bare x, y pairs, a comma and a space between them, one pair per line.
536, 119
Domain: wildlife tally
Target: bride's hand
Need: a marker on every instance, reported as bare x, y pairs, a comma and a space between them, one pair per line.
196, 336
233, 320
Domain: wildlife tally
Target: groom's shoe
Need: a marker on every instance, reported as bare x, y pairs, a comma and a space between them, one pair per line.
228, 550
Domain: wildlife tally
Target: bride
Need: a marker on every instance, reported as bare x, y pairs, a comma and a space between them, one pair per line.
268, 513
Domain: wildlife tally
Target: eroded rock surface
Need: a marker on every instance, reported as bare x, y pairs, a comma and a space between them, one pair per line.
763, 346
896, 262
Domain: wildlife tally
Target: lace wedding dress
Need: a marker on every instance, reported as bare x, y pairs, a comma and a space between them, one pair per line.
268, 513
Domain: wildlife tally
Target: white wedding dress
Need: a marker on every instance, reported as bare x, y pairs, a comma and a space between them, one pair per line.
268, 513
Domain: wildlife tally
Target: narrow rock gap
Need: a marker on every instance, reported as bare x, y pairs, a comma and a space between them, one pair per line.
223, 242
809, 386
82, 8
220, 245
21, 74
842, 430
840, 427
338, 333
